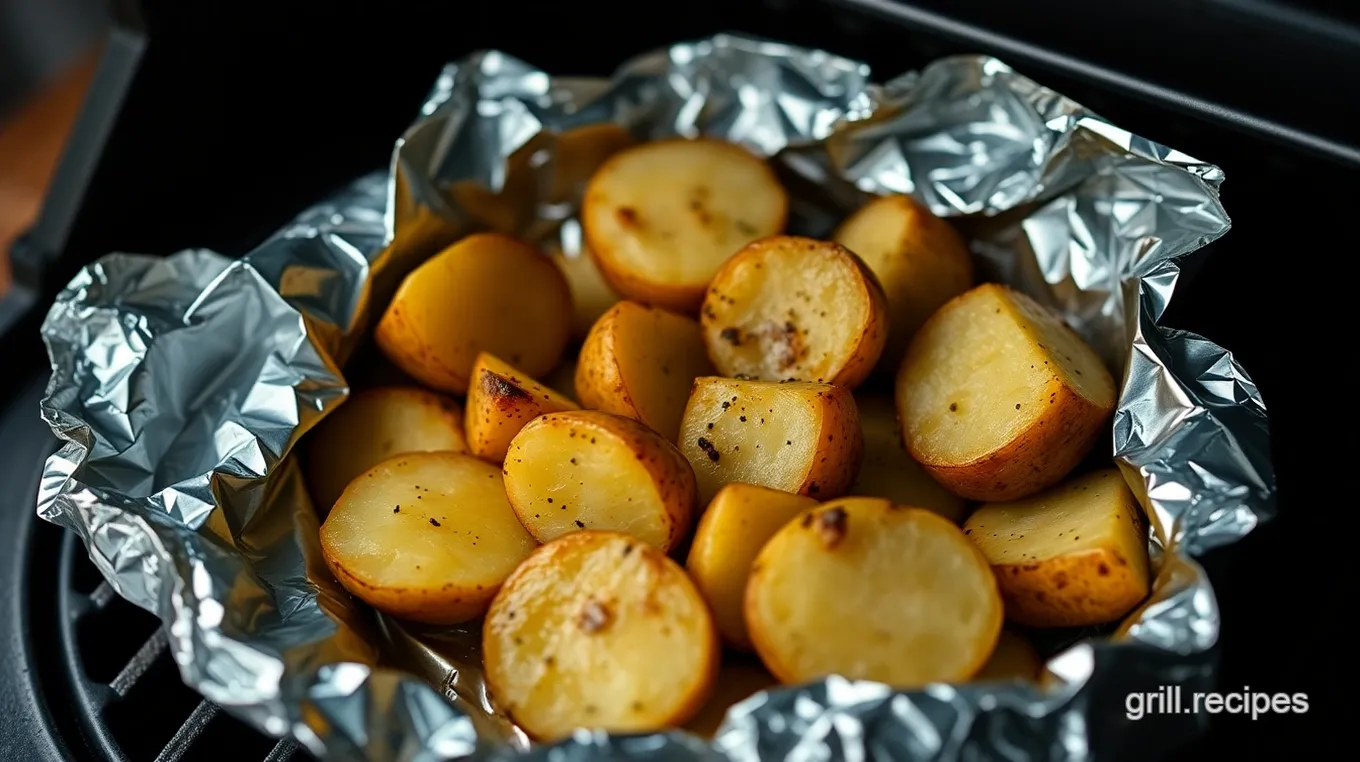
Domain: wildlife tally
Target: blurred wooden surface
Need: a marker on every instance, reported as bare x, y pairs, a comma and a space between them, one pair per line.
31, 142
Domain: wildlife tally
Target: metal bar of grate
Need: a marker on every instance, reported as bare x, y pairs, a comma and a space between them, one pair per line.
282, 751
139, 663
102, 596
188, 732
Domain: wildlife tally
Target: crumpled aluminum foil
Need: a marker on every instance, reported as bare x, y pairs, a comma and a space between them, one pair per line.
180, 386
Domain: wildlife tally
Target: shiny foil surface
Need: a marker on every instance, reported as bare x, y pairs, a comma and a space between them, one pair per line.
181, 385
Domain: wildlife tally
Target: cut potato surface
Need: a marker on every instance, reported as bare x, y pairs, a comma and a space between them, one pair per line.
372, 426
486, 293
599, 630
998, 398
920, 261
640, 362
794, 309
591, 296
1075, 555
736, 682
1013, 659
425, 536
795, 437
591, 470
500, 402
889, 471
730, 534
864, 589
660, 218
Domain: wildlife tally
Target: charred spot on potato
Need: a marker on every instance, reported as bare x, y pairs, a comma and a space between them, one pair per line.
731, 335
580, 524
594, 617
953, 407
434, 522
708, 448
1103, 570
814, 487
832, 525
500, 389
628, 216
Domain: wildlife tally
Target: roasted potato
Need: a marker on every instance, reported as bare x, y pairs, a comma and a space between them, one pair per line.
731, 532
599, 630
486, 293
591, 297
425, 536
868, 590
736, 682
998, 398
640, 362
372, 426
578, 155
889, 471
1075, 555
920, 261
500, 401
586, 469
1013, 659
795, 437
660, 218
793, 309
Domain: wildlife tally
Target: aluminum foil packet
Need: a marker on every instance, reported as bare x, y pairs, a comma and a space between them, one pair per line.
180, 386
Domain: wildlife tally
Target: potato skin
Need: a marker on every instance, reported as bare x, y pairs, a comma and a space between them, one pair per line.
1106, 587
500, 402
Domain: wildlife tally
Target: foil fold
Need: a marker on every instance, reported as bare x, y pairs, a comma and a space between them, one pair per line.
181, 385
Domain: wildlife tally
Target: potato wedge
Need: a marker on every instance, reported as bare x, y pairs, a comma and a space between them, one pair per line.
486, 293
425, 536
920, 261
733, 529
795, 437
998, 398
591, 296
1013, 659
868, 590
500, 402
1072, 556
661, 217
640, 362
372, 426
591, 470
736, 682
599, 630
793, 309
889, 471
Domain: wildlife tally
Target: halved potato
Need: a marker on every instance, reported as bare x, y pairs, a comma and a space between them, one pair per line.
889, 471
591, 296
500, 402
795, 309
640, 362
736, 682
486, 293
591, 470
733, 529
425, 536
795, 437
1013, 659
1075, 555
998, 398
599, 630
920, 261
868, 590
661, 217
372, 426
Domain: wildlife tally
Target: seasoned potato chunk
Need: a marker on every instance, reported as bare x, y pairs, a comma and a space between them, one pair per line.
591, 470
736, 682
599, 630
425, 536
795, 309
486, 293
640, 362
795, 437
736, 525
1013, 659
660, 218
889, 471
372, 426
1075, 555
998, 398
868, 590
591, 296
920, 261
501, 400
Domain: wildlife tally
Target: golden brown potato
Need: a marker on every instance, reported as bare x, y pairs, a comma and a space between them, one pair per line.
372, 426
736, 525
1075, 555
889, 471
591, 470
793, 309
794, 437
591, 297
486, 293
640, 362
736, 682
868, 590
920, 261
998, 398
425, 536
511, 209
660, 218
1013, 659
500, 402
599, 630
578, 155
